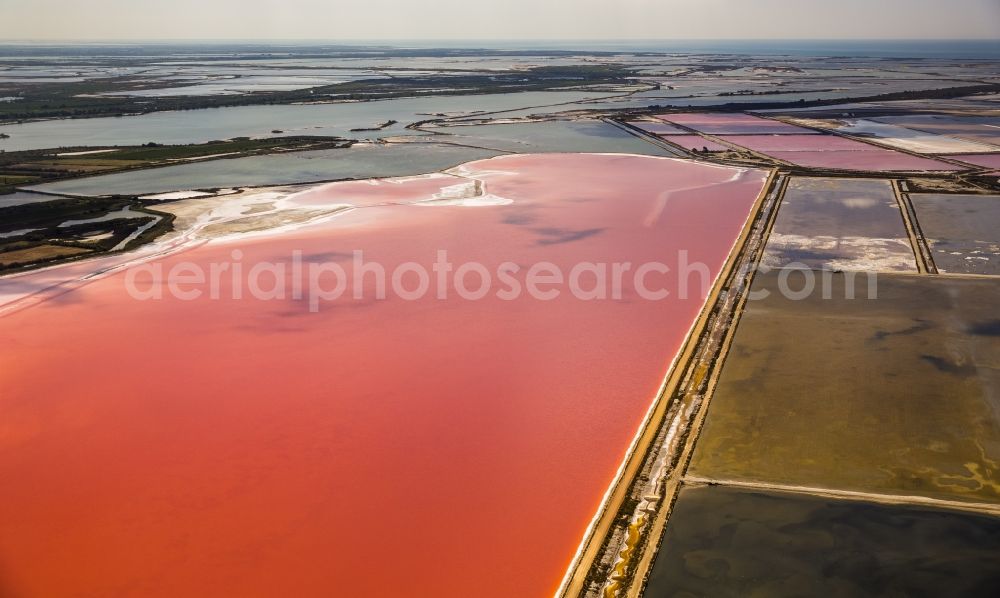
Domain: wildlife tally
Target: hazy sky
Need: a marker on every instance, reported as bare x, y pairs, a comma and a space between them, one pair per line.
494, 19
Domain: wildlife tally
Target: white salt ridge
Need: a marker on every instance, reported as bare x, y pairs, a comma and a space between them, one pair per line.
467, 194
175, 195
86, 153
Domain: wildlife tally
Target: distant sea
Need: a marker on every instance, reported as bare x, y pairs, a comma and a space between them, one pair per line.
989, 49
952, 49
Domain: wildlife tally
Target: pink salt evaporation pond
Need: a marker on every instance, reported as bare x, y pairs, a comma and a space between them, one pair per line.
832, 151
877, 160
447, 447
798, 143
984, 160
731, 123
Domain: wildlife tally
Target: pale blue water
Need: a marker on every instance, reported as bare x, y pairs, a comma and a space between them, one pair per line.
592, 136
198, 126
366, 161
985, 49
276, 169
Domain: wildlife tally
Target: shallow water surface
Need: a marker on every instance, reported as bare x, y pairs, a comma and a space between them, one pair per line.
840, 224
553, 136
963, 231
19, 198
359, 161
734, 543
891, 390
199, 126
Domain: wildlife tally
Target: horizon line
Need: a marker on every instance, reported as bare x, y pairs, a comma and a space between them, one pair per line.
142, 41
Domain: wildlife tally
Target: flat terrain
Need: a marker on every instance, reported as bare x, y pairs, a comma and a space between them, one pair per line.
840, 224
893, 395
734, 543
37, 254
961, 230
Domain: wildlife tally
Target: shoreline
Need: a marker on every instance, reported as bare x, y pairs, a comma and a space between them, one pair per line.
607, 520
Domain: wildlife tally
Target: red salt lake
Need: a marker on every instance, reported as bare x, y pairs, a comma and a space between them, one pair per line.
433, 447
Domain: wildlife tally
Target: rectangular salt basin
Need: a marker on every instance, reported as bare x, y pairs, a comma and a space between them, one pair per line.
840, 224
466, 443
657, 128
731, 124
832, 151
963, 231
897, 136
984, 160
724, 541
892, 392
695, 143
983, 129
875, 160
797, 143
